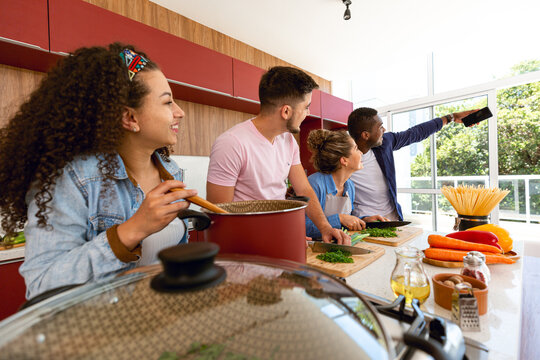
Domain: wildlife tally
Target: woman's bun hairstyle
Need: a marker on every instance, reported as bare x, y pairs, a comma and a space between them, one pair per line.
327, 148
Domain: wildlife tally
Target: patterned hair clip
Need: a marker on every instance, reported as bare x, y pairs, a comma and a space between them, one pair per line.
133, 61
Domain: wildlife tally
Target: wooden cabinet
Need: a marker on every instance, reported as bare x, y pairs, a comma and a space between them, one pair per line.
12, 288
308, 124
76, 23
335, 109
327, 112
315, 107
25, 22
34, 34
246, 79
24, 34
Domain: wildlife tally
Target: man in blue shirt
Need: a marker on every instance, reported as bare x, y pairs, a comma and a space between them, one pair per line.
375, 184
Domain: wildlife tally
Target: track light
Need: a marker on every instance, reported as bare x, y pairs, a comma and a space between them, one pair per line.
347, 14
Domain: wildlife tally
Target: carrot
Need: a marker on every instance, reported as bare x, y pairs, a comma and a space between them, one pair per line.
457, 255
439, 241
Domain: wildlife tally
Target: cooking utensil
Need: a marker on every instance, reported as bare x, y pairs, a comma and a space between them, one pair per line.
465, 308
319, 246
197, 200
386, 224
274, 228
264, 308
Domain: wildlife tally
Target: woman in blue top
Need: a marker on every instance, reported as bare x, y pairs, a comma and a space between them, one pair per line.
336, 157
84, 168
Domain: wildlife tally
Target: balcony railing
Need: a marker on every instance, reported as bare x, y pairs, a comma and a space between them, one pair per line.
521, 204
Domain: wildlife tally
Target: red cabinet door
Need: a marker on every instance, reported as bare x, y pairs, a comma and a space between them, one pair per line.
246, 78
315, 107
334, 108
25, 21
309, 124
75, 23
12, 288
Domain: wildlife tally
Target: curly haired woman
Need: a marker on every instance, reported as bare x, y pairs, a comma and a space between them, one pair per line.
84, 168
336, 157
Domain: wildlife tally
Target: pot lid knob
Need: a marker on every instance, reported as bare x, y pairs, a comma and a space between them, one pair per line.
188, 267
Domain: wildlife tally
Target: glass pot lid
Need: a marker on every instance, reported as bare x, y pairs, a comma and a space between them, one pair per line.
243, 308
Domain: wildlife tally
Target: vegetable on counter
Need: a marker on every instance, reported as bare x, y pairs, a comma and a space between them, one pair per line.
356, 237
9, 241
457, 255
376, 232
505, 241
336, 256
477, 236
439, 241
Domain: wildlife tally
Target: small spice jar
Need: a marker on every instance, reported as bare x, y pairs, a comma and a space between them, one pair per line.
474, 265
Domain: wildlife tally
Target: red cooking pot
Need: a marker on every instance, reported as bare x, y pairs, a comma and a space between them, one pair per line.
272, 228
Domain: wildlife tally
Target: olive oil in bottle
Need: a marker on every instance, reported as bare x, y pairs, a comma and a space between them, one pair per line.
414, 291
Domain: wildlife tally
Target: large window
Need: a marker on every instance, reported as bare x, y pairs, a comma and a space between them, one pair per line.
519, 155
503, 151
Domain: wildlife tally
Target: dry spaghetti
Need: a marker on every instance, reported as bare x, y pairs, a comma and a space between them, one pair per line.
475, 201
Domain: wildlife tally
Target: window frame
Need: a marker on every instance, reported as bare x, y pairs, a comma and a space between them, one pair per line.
488, 89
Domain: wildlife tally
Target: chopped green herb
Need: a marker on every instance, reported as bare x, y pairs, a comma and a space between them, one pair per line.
336, 256
376, 232
13, 240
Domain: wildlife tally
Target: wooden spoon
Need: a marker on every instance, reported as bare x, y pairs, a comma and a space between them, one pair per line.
197, 200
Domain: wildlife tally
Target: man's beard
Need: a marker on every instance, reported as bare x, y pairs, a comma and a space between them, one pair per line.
291, 128
376, 143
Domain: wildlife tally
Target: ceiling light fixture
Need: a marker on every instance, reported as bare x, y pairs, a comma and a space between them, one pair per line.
347, 14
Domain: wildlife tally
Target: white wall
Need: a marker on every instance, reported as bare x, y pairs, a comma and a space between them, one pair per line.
195, 171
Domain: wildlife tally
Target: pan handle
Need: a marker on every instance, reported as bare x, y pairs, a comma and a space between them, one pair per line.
428, 346
200, 220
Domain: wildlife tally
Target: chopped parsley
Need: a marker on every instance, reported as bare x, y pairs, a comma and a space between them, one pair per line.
336, 256
376, 232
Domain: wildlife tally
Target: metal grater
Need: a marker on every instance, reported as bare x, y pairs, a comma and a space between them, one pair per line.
465, 309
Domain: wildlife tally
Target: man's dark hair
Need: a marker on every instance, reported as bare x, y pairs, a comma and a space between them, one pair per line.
284, 85
360, 120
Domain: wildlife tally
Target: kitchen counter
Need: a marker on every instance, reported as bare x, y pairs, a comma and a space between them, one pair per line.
500, 326
14, 254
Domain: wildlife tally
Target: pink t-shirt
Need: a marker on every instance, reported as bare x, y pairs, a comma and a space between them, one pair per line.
242, 157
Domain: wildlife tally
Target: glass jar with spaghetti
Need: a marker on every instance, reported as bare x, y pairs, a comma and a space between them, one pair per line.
464, 222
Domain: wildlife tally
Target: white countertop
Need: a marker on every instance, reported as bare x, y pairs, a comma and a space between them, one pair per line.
500, 326
12, 254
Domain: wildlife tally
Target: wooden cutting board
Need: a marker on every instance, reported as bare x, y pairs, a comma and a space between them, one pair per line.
11, 247
404, 234
345, 269
457, 264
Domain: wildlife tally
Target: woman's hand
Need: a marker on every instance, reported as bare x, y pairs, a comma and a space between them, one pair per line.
157, 210
375, 218
352, 222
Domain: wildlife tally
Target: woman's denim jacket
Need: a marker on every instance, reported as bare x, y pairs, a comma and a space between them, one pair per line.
74, 248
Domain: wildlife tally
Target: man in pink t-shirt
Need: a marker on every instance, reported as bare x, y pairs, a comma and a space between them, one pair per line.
253, 160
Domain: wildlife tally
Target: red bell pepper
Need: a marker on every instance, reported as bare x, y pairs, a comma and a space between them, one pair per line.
476, 236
